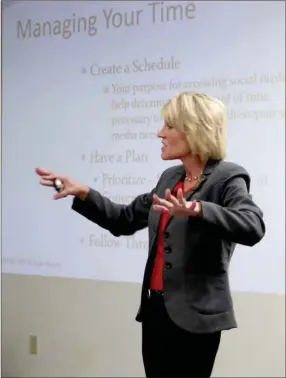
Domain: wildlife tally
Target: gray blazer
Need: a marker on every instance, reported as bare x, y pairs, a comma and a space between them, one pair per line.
197, 249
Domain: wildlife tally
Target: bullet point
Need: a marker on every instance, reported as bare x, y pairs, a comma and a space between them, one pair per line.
82, 240
95, 179
105, 90
83, 157
83, 70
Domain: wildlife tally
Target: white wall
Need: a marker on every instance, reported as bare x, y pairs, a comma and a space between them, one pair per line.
87, 329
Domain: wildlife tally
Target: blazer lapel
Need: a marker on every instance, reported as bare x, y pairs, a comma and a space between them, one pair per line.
173, 180
169, 183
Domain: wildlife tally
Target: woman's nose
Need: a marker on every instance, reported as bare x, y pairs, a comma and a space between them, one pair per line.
160, 133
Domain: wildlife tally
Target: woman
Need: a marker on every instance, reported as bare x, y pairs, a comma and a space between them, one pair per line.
196, 214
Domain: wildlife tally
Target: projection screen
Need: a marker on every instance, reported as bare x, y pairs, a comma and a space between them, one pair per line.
83, 85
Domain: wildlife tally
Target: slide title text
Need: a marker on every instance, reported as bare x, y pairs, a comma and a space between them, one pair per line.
157, 12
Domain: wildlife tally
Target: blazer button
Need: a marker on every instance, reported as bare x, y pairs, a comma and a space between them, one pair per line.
168, 249
168, 265
166, 233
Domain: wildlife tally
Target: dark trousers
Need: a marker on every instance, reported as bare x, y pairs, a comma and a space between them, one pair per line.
170, 351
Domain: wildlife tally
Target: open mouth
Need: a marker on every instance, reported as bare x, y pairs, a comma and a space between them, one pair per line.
164, 145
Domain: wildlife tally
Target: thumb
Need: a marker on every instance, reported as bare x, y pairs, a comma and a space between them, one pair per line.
62, 194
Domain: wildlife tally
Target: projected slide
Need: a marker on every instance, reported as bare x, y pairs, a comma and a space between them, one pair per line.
83, 85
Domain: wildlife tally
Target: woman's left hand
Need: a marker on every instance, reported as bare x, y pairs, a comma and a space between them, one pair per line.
176, 206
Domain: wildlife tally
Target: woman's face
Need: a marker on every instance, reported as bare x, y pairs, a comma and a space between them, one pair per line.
175, 145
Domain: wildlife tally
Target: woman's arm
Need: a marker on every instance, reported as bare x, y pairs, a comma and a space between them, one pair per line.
116, 218
238, 219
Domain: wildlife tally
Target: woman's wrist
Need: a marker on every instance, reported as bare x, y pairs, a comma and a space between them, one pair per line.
83, 192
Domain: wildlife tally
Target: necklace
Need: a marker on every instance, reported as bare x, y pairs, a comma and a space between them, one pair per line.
192, 178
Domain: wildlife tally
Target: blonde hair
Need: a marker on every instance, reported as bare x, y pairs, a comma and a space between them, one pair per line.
203, 120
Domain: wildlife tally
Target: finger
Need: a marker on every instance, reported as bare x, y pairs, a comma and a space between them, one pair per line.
161, 201
167, 193
42, 172
180, 198
161, 208
51, 176
165, 203
171, 198
155, 198
198, 208
47, 183
47, 175
62, 194
192, 205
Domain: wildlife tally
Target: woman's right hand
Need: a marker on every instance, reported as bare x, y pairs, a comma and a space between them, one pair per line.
70, 187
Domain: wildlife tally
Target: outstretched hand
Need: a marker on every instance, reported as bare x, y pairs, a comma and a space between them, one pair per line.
176, 205
70, 187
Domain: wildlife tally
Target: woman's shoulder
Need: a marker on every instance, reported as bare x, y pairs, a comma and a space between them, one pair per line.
228, 170
232, 168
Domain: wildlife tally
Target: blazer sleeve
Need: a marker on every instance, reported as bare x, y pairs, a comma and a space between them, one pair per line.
238, 219
116, 218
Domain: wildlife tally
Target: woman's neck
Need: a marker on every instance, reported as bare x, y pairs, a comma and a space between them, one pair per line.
193, 166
